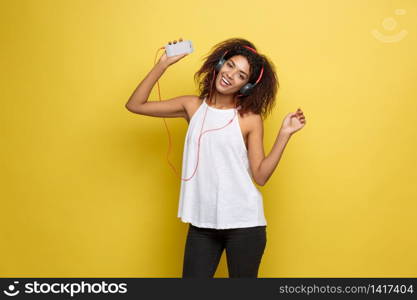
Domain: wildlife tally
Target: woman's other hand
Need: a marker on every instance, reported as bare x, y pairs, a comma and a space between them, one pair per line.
293, 122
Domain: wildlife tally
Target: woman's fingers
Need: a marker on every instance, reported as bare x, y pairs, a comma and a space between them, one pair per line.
300, 115
175, 41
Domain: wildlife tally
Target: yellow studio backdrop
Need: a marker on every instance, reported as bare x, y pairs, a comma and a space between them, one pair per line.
86, 189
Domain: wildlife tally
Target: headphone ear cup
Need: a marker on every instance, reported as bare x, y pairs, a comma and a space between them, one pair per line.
246, 89
220, 64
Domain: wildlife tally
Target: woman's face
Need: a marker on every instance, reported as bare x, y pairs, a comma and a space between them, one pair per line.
236, 70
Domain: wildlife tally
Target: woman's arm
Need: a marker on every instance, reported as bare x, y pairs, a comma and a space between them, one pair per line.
270, 162
172, 108
142, 91
263, 167
138, 101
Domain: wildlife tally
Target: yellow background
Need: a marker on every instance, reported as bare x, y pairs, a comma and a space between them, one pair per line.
86, 189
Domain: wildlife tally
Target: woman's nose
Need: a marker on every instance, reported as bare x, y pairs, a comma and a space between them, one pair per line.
230, 75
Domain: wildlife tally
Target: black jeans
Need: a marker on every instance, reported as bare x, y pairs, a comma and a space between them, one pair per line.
204, 247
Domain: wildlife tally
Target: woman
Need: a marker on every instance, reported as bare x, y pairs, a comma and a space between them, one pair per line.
223, 154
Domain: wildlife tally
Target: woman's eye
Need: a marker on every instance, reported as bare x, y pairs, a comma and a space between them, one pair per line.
230, 65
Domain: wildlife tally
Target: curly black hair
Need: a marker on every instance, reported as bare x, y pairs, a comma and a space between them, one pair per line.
261, 100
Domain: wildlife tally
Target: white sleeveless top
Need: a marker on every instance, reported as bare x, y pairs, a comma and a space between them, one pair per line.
221, 194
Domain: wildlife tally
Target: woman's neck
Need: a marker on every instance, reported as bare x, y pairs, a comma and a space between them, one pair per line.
222, 101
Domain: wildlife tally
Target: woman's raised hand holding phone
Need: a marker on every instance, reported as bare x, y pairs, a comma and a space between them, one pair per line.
167, 61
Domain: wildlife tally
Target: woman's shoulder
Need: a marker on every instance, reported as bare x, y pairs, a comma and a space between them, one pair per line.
193, 100
192, 105
250, 116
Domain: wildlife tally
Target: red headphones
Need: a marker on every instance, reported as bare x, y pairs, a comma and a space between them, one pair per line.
247, 88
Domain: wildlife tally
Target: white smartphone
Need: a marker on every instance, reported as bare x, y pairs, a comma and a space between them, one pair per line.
179, 48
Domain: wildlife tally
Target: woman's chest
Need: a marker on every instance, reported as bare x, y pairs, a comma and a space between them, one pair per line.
241, 121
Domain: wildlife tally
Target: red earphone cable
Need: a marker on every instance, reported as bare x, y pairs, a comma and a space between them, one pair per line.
166, 126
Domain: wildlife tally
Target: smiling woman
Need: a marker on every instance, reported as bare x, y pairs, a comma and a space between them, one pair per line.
223, 155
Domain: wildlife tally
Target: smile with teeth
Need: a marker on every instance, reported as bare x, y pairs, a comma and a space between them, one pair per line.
225, 81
